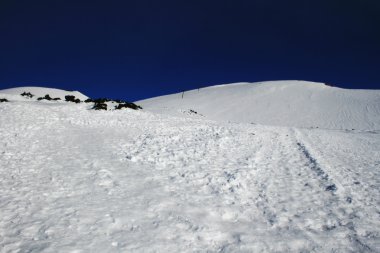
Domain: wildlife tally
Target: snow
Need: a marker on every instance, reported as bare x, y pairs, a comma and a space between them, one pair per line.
281, 103
13, 93
79, 180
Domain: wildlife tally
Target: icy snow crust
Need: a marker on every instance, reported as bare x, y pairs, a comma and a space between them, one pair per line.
281, 103
78, 180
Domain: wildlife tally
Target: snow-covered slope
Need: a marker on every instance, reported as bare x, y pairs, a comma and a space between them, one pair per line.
78, 180
284, 103
14, 93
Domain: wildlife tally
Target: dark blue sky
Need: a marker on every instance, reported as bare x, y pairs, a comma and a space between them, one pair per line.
138, 49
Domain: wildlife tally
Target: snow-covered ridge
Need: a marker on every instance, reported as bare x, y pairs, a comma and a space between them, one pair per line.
283, 103
13, 93
50, 94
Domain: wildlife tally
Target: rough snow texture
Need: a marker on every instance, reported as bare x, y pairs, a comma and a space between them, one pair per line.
14, 93
282, 103
78, 180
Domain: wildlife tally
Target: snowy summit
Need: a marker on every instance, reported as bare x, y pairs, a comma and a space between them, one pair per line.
250, 167
283, 103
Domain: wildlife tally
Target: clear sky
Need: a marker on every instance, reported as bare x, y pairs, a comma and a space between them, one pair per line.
135, 49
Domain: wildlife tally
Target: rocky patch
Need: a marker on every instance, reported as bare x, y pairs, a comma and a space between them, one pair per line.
70, 98
47, 97
27, 94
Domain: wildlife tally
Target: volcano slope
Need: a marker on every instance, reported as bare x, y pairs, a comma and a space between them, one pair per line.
78, 180
280, 103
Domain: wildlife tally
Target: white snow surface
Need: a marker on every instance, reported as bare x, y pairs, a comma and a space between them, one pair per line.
78, 180
282, 103
14, 93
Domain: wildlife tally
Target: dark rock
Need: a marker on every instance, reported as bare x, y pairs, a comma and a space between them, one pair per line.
27, 94
331, 188
46, 97
3, 100
101, 100
100, 106
127, 105
70, 98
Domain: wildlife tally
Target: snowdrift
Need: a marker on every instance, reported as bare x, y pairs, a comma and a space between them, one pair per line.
282, 103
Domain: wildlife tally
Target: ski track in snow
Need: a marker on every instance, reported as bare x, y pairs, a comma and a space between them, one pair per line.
74, 180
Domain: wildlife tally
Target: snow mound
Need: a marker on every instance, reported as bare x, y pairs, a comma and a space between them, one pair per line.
282, 103
13, 93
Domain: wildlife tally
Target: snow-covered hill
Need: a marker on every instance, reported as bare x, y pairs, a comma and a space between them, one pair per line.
14, 93
78, 180
283, 103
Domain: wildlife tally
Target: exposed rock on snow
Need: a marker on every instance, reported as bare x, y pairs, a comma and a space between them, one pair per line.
41, 92
100, 106
127, 105
47, 97
80, 180
27, 94
73, 99
15, 94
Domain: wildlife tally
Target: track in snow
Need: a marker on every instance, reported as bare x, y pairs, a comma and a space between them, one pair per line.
73, 179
